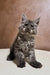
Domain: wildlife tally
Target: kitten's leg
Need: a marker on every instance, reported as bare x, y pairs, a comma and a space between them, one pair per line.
20, 58
32, 60
11, 56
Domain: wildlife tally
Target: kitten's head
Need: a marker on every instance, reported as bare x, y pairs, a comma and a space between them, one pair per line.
28, 26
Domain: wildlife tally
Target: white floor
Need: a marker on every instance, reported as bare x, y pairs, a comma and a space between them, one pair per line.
9, 68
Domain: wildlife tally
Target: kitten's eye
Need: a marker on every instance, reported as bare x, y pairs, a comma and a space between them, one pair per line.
26, 24
31, 25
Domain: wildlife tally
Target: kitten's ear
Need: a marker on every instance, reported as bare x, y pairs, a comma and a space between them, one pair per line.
37, 21
24, 18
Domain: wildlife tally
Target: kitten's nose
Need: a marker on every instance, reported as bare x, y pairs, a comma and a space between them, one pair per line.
27, 28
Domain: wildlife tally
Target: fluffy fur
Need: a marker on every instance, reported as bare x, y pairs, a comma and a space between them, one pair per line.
23, 47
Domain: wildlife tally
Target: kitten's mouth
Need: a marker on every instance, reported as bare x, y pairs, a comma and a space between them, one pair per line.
27, 34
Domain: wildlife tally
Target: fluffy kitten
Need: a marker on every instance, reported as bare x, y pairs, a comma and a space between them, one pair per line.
23, 47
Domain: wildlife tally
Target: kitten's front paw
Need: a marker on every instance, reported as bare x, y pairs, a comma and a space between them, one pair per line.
21, 65
10, 57
36, 64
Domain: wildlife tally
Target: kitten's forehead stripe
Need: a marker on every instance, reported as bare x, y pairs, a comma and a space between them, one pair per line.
30, 22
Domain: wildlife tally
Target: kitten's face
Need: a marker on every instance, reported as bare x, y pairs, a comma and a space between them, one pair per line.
28, 27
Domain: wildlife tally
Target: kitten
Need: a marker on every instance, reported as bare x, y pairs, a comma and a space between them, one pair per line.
23, 47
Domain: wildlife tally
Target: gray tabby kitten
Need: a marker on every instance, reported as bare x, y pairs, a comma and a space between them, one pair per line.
23, 47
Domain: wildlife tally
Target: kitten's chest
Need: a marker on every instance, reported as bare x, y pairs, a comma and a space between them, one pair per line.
25, 43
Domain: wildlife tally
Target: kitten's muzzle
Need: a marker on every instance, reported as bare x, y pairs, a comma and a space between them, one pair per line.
28, 29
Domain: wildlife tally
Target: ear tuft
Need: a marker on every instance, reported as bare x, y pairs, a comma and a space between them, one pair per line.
37, 20
24, 18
